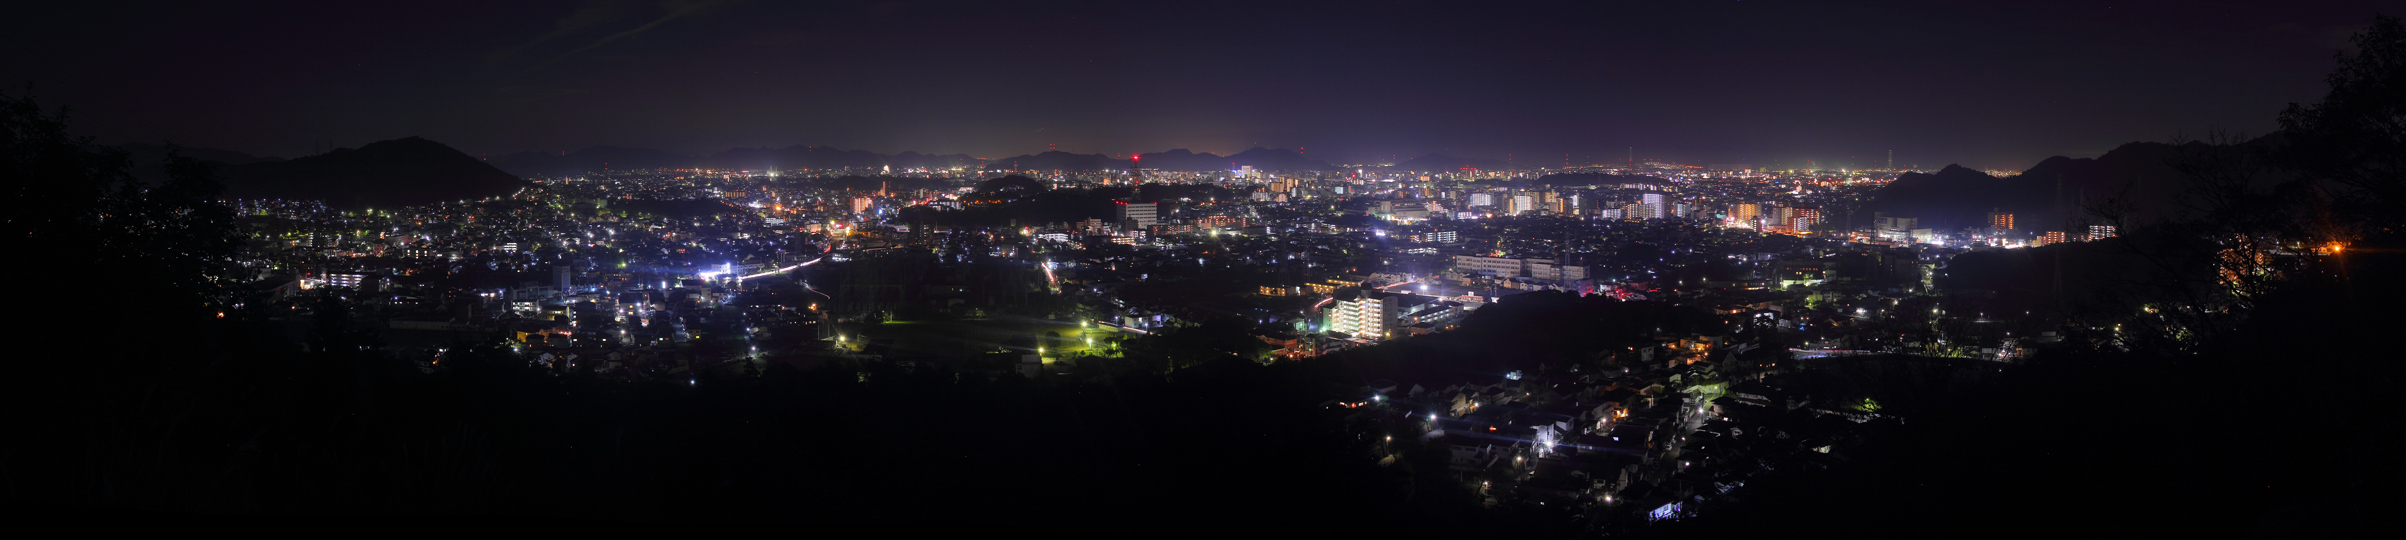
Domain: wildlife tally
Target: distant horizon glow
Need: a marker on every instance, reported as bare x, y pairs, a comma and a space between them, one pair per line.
1823, 86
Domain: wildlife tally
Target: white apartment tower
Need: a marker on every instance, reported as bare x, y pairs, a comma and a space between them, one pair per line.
1364, 317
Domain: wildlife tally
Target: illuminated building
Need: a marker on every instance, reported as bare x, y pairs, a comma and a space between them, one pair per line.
1376, 315
1364, 317
1142, 215
1490, 266
1547, 269
1893, 228
1223, 222
351, 281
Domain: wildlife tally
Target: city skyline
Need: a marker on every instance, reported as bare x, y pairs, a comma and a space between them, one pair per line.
1737, 269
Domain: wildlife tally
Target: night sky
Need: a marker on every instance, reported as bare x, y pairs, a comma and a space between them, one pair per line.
1757, 82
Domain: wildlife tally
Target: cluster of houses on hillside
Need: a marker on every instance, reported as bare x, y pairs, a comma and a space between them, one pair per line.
1667, 431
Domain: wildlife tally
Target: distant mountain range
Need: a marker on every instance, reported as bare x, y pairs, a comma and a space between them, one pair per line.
1598, 179
413, 171
1058, 161
791, 158
400, 172
1267, 159
2049, 196
800, 158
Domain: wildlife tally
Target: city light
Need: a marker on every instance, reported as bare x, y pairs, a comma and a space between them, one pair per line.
1576, 318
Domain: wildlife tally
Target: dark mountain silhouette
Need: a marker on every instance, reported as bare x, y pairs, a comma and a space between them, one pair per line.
1267, 159
1057, 161
1955, 197
400, 172
791, 158
1182, 160
801, 159
1278, 159
915, 160
1439, 163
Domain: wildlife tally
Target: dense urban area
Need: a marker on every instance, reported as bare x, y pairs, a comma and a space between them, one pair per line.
1742, 278
2167, 339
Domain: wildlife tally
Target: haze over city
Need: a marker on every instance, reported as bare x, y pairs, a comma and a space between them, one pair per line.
1986, 86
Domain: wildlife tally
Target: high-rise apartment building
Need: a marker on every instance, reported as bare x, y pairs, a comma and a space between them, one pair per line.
1365, 316
1142, 215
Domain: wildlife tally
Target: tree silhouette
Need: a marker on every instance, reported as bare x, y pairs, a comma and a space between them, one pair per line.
2356, 136
2263, 214
146, 261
